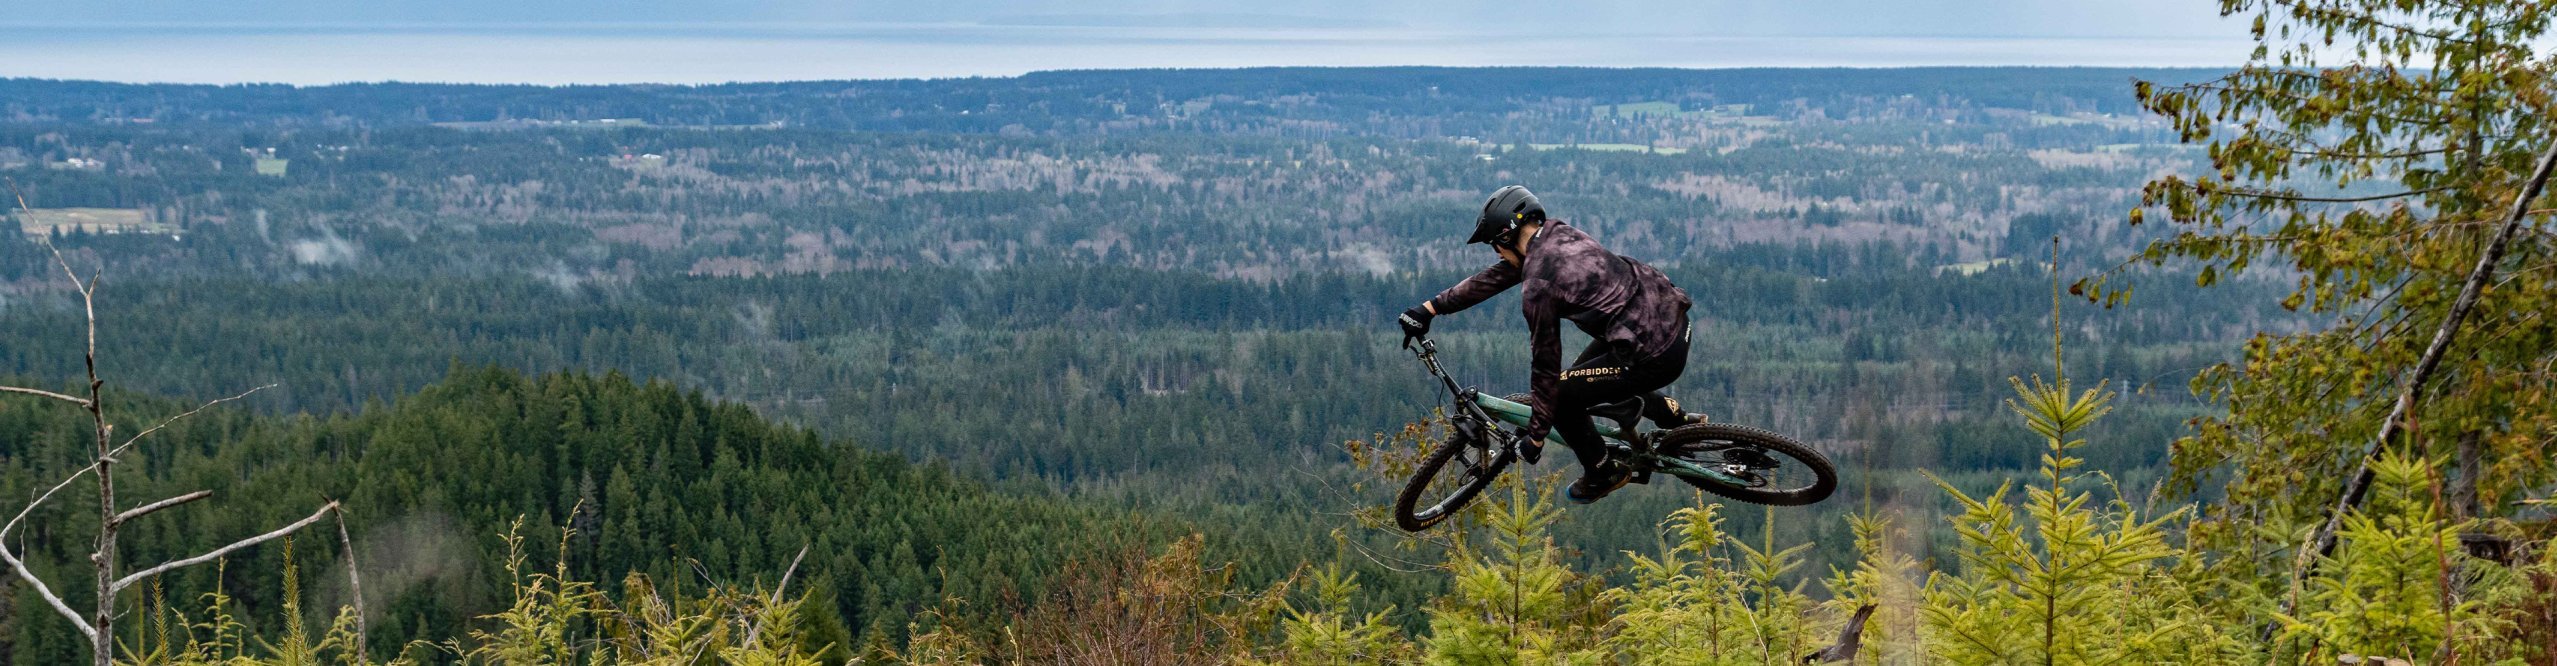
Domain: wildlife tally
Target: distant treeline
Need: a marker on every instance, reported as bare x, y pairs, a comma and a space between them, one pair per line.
1179, 390
1080, 101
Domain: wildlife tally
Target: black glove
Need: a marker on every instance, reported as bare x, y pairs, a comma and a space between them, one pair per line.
1530, 449
1415, 323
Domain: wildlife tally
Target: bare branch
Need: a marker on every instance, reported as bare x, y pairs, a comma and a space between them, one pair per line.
2301, 198
22, 196
786, 573
355, 584
15, 565
139, 511
39, 501
758, 629
217, 553
44, 393
2322, 540
50, 598
128, 443
2347, 155
58, 260
2207, 89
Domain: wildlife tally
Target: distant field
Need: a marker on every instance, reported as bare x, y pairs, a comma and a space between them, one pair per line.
1642, 108
1609, 147
1975, 267
517, 124
2107, 120
41, 222
2130, 147
1720, 114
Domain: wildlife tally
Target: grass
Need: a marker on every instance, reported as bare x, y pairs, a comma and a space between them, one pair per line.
41, 222
1975, 267
1670, 110
2045, 120
1609, 147
1641, 108
2128, 147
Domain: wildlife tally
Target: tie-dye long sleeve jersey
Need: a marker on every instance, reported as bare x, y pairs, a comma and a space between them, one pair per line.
1627, 305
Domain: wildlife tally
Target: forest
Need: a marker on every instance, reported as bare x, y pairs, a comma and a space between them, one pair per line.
2118, 366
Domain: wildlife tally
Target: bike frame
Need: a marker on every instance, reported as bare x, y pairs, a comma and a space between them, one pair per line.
1493, 408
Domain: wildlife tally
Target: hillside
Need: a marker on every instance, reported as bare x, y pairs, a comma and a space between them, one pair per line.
954, 335
655, 479
1157, 296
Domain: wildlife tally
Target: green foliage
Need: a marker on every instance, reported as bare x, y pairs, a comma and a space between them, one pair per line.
1513, 600
1888, 579
220, 638
1692, 604
1326, 632
2060, 580
2367, 152
650, 479
549, 612
2402, 586
2060, 577
1140, 338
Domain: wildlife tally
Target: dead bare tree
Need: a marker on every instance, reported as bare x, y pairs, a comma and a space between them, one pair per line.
99, 626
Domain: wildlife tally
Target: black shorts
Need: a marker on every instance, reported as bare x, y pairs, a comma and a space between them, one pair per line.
1604, 376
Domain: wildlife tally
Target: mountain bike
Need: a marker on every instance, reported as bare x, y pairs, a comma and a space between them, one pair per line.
1735, 461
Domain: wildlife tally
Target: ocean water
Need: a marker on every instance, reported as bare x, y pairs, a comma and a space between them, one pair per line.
661, 53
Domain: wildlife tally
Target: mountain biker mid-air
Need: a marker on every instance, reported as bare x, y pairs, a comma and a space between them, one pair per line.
1636, 319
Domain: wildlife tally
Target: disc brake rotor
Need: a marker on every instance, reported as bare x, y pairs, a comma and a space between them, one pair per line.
1747, 464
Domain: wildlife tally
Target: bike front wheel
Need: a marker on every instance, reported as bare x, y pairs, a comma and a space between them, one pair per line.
1747, 464
1459, 469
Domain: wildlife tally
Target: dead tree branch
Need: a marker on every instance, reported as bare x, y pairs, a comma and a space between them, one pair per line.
43, 393
2322, 542
139, 511
121, 583
354, 585
128, 443
48, 494
99, 625
758, 629
50, 599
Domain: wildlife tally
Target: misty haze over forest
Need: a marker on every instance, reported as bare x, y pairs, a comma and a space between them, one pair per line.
660, 41
1725, 18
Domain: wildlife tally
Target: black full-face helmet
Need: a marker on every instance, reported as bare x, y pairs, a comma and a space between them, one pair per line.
1508, 208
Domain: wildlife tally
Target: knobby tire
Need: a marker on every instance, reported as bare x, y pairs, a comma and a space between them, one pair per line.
1460, 438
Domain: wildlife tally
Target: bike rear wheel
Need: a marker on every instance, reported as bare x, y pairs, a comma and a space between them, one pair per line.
1459, 469
1772, 469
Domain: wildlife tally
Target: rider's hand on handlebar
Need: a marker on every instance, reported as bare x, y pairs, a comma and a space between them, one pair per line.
1529, 449
1415, 323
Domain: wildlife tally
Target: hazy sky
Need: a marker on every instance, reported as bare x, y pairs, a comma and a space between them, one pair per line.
2000, 18
708, 41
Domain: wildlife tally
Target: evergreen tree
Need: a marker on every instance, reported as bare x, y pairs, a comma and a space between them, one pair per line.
1514, 602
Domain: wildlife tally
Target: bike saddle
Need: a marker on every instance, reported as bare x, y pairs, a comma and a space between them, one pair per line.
1625, 414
